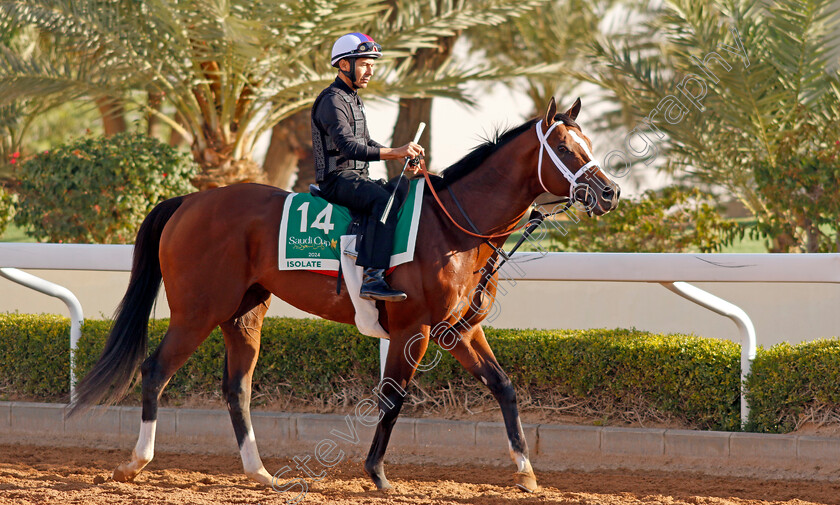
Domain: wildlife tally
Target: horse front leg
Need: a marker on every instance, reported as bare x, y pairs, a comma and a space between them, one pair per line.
473, 352
400, 365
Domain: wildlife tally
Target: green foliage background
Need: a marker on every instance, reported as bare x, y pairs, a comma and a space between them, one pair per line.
766, 127
98, 190
7, 208
686, 377
802, 193
673, 219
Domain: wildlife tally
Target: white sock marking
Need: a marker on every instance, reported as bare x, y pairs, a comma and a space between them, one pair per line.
522, 463
251, 461
145, 448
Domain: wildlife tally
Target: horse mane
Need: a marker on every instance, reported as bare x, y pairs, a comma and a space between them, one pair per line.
480, 153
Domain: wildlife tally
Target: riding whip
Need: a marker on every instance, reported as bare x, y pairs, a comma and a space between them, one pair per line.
384, 217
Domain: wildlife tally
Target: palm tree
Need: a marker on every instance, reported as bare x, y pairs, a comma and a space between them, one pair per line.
17, 116
438, 60
217, 73
425, 72
753, 92
558, 31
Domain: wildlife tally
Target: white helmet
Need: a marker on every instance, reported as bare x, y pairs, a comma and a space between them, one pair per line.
354, 45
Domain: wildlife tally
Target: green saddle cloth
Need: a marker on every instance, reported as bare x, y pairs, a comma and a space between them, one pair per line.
311, 230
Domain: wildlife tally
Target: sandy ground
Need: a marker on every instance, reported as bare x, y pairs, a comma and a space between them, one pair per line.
30, 474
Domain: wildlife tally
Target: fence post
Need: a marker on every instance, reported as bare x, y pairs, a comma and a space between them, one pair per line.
736, 314
69, 299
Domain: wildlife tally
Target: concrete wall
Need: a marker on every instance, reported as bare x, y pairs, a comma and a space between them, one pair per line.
780, 312
440, 441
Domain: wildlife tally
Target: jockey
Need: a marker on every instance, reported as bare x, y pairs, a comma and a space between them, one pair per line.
342, 149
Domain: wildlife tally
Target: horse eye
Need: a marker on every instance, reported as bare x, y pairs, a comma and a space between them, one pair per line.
562, 148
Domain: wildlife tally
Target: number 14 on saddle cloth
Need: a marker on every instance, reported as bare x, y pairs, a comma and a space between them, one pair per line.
311, 230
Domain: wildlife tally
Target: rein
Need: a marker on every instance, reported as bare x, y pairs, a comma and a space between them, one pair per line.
568, 200
534, 221
443, 208
536, 218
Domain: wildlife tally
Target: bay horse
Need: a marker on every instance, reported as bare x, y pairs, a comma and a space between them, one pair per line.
216, 253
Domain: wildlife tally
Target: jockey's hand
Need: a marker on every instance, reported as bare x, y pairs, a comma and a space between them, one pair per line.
413, 150
410, 150
414, 165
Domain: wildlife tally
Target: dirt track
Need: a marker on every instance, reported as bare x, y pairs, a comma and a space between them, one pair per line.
30, 474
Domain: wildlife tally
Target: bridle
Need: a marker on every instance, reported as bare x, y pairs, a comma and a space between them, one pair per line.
536, 217
558, 163
568, 201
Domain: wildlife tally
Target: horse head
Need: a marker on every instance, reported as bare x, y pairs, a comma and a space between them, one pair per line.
566, 166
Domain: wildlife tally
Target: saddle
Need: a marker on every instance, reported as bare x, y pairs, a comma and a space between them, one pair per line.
312, 229
358, 221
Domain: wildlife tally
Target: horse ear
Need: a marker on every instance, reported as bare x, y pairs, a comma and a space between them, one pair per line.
551, 112
573, 112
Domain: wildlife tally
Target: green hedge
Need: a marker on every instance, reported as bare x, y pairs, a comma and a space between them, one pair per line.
35, 354
687, 377
314, 355
787, 381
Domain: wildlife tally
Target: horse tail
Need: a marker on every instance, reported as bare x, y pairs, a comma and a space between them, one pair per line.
111, 377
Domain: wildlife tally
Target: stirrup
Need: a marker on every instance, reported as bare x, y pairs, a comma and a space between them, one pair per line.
376, 288
394, 296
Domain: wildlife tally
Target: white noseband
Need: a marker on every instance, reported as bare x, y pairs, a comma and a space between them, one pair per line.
571, 177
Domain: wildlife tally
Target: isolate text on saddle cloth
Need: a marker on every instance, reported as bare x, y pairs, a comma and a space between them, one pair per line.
343, 149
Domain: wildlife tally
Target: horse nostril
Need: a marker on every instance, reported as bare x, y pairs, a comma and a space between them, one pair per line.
608, 193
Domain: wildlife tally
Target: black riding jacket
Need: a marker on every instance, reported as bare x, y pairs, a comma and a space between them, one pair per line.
340, 138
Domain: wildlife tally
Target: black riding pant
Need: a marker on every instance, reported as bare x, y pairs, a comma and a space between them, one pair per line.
365, 196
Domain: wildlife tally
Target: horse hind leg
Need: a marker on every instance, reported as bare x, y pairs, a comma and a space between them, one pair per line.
242, 344
180, 341
473, 352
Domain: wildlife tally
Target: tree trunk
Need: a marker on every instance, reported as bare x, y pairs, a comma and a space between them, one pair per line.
219, 169
812, 237
306, 176
414, 110
175, 138
113, 115
154, 125
289, 151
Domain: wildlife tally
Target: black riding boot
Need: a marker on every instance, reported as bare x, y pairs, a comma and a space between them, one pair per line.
374, 287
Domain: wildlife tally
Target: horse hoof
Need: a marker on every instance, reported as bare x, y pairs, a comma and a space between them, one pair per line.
122, 474
384, 486
261, 476
526, 481
381, 483
377, 475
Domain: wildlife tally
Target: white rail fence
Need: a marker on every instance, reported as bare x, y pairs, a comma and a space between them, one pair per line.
673, 271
